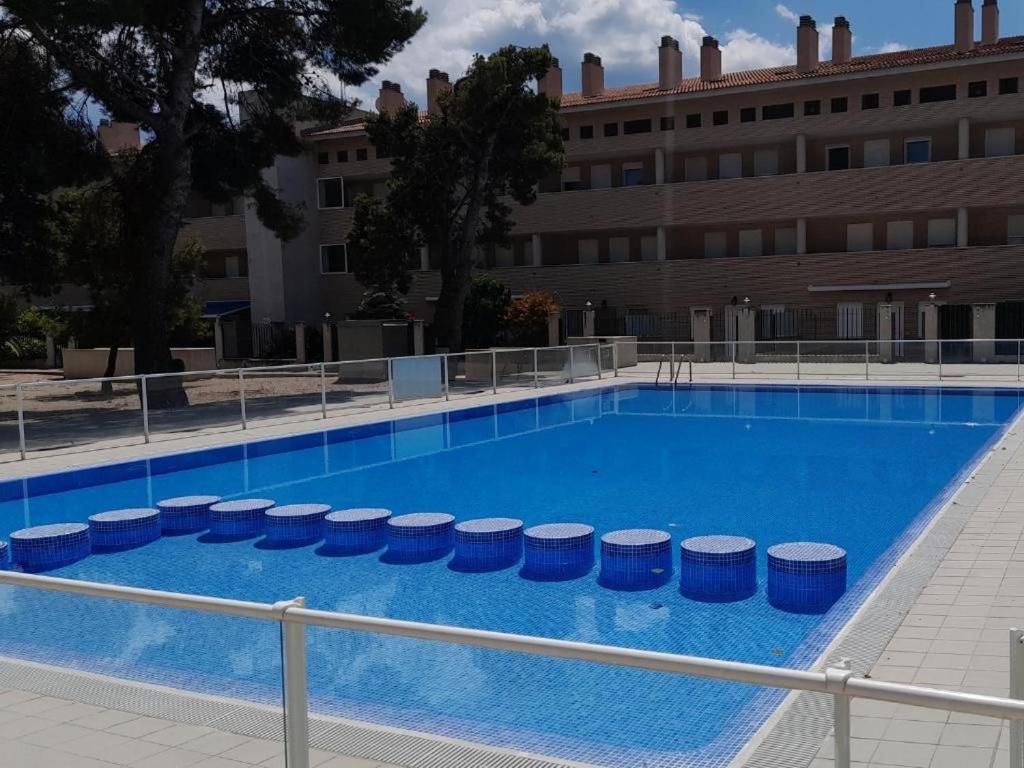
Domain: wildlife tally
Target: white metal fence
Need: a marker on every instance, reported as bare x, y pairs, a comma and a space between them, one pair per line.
293, 618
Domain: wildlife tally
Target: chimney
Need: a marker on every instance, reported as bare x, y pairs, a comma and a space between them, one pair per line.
842, 41
592, 75
551, 84
963, 22
990, 22
710, 60
119, 137
437, 86
670, 64
806, 45
390, 100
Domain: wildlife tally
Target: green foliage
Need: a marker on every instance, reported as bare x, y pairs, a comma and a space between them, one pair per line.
381, 250
526, 320
454, 173
23, 332
484, 314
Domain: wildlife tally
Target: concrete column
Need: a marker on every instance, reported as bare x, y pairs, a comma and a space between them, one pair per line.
424, 258
745, 334
51, 352
801, 236
885, 332
588, 323
984, 328
535, 247
72, 343
554, 322
961, 228
931, 332
963, 132
218, 341
661, 244
801, 153
300, 342
700, 324
328, 333
659, 166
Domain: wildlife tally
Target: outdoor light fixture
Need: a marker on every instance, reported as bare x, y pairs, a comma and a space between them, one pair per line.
746, 299
932, 295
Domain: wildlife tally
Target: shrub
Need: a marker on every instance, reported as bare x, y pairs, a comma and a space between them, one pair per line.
526, 320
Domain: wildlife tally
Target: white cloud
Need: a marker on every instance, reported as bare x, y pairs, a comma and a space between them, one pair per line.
787, 14
624, 33
892, 48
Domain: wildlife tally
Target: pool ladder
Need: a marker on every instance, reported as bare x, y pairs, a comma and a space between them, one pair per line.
673, 375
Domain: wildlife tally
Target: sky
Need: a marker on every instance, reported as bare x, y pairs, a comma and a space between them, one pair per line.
625, 33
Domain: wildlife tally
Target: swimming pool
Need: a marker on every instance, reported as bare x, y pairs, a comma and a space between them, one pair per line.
858, 467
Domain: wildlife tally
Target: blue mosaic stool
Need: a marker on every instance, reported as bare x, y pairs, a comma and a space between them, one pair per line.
718, 569
635, 558
3, 555
295, 524
419, 537
49, 546
186, 514
558, 551
356, 531
805, 577
123, 528
239, 518
487, 544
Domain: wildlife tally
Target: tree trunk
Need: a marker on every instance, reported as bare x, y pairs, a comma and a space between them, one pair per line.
106, 387
451, 302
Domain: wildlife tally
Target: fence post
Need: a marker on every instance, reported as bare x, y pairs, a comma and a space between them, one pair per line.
296, 687
836, 678
241, 396
391, 383
494, 372
1016, 692
444, 376
798, 361
1018, 359
598, 348
867, 360
572, 367
536, 372
323, 390
615, 359
939, 342
21, 419
672, 362
734, 361
145, 408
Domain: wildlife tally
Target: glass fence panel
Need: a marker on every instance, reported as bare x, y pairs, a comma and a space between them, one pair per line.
417, 378
644, 359
72, 415
904, 360
766, 360
193, 402
357, 384
553, 366
515, 368
585, 362
9, 438
282, 392
982, 360
846, 359
606, 358
470, 373
713, 360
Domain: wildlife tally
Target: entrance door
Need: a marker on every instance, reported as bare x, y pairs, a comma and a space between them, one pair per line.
896, 326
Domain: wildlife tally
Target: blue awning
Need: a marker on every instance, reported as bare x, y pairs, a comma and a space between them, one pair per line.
221, 308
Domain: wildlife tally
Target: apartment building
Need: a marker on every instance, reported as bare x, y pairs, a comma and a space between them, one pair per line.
827, 195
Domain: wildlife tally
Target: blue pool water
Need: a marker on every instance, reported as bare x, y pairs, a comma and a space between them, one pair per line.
860, 468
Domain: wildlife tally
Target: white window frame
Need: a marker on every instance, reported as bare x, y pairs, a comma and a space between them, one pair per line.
731, 156
1015, 223
828, 156
915, 140
878, 143
319, 197
323, 264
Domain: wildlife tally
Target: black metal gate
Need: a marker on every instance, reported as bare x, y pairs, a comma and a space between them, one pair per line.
1009, 325
956, 322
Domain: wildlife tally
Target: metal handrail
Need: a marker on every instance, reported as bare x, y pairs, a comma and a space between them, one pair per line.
837, 681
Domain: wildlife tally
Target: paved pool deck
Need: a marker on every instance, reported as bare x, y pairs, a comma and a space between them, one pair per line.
940, 619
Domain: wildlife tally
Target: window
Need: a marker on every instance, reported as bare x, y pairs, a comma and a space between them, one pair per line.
785, 241
226, 263
849, 320
342, 155
777, 111
766, 162
977, 89
611, 129
876, 153
331, 192
565, 134
649, 248
838, 157
935, 93
668, 124
902, 98
600, 176
693, 121
636, 126
1000, 142
618, 249
1015, 230
632, 174
839, 104
860, 237
750, 243
812, 108
721, 117
695, 169
588, 251
333, 258
730, 166
504, 257
361, 154
586, 131
917, 150
899, 235
715, 245
869, 101
1008, 85
323, 158
748, 114
571, 180
776, 322
941, 233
